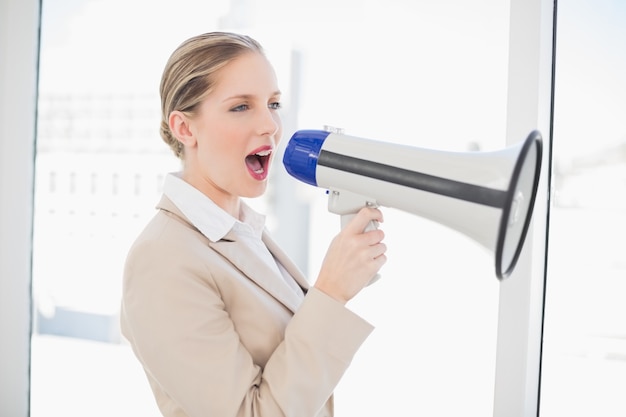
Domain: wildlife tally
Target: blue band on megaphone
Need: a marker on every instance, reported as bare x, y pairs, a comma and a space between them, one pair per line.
303, 149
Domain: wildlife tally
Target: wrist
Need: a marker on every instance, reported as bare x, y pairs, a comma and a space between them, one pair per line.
330, 293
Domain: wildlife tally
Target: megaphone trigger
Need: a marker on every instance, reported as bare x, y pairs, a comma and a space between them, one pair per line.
347, 204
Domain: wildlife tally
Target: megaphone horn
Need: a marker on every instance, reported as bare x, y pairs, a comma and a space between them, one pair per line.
488, 196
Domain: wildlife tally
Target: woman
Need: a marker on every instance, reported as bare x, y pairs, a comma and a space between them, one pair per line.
222, 321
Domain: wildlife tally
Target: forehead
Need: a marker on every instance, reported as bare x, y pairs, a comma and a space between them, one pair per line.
248, 74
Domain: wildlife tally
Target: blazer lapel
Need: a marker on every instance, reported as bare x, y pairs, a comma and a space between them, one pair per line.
248, 262
286, 261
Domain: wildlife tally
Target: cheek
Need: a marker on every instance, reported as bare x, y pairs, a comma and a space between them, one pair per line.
219, 138
214, 149
227, 148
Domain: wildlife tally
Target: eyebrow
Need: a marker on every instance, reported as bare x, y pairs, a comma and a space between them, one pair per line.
249, 96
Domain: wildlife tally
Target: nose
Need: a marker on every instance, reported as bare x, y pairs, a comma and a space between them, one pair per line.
269, 123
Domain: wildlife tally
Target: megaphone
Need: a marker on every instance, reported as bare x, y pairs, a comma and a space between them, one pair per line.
488, 196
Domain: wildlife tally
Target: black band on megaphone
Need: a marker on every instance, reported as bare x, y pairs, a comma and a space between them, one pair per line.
417, 180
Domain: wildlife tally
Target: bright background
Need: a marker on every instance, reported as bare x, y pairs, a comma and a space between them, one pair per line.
428, 74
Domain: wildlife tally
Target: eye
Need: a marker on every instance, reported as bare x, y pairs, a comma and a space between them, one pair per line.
239, 108
275, 105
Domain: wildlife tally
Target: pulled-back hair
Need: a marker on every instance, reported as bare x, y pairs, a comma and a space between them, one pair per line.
189, 74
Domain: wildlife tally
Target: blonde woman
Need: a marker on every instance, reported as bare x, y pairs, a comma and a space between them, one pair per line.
222, 321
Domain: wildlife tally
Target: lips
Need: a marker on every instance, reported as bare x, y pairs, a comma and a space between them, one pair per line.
258, 162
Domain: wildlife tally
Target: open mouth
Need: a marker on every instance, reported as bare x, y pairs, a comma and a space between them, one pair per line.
258, 162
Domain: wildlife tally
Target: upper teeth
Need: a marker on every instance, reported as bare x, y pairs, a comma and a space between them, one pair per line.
263, 153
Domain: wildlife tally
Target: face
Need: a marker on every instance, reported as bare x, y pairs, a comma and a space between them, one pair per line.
235, 133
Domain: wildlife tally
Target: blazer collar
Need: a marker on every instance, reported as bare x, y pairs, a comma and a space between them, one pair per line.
244, 259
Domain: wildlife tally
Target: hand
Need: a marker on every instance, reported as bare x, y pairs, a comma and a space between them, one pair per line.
353, 258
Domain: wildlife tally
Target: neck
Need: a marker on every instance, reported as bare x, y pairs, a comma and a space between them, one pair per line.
227, 202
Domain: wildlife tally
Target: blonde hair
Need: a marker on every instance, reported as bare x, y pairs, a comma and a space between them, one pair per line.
189, 75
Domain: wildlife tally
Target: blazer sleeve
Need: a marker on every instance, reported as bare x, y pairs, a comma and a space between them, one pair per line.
176, 321
320, 342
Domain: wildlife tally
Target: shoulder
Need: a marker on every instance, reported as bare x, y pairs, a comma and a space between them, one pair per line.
167, 243
166, 229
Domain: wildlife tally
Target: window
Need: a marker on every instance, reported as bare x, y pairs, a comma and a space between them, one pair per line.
429, 75
584, 355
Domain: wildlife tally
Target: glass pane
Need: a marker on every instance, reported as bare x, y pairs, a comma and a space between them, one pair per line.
584, 354
422, 73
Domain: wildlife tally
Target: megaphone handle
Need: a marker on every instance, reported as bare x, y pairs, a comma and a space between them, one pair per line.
345, 219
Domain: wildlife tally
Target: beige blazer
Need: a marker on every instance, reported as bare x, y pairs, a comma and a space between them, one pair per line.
220, 334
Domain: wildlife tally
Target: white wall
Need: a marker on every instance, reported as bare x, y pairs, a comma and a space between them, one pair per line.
19, 27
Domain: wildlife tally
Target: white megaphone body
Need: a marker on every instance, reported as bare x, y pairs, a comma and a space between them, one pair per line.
488, 196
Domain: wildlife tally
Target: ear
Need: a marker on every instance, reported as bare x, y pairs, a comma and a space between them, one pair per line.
180, 127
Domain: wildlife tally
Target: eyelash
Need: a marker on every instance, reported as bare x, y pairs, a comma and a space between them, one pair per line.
242, 107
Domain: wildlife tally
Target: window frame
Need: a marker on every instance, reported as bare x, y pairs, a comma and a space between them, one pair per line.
529, 106
19, 49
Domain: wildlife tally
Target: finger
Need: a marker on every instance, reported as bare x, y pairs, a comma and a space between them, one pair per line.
380, 261
373, 237
373, 255
377, 263
377, 251
363, 218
